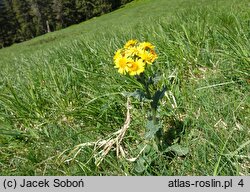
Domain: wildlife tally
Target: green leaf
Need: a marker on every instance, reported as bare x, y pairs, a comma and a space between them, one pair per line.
151, 129
138, 94
178, 149
157, 96
157, 78
140, 165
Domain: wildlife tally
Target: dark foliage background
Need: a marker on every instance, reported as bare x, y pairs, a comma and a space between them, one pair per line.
21, 20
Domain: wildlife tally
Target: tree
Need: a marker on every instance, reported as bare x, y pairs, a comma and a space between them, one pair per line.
57, 12
37, 17
41, 12
69, 12
24, 17
8, 24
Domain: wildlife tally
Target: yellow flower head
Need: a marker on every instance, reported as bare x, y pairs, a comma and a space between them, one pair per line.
134, 57
130, 43
146, 46
136, 67
154, 56
118, 54
121, 64
132, 51
146, 57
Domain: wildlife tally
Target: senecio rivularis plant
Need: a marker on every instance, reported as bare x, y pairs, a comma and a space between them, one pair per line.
134, 59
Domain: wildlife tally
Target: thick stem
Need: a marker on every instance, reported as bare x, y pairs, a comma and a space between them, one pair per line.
154, 116
159, 133
143, 81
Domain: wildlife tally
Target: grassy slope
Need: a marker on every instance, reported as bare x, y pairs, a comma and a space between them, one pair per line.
60, 90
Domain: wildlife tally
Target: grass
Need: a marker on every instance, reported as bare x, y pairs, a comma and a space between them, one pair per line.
60, 90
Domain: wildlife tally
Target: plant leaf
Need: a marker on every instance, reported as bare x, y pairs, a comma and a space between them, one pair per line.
140, 165
178, 149
138, 94
157, 78
157, 96
151, 129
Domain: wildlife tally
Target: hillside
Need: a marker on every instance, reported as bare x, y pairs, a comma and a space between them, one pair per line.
59, 92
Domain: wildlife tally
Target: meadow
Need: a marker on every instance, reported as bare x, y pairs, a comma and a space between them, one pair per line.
61, 90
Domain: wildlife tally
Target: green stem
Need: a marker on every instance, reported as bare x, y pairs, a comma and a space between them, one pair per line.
142, 80
154, 116
158, 133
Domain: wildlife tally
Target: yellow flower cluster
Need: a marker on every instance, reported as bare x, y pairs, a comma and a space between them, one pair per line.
134, 57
